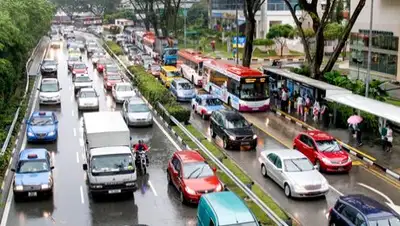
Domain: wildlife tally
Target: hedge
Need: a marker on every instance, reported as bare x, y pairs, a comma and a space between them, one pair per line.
115, 48
155, 93
233, 167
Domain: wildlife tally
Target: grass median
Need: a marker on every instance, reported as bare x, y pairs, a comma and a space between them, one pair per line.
235, 169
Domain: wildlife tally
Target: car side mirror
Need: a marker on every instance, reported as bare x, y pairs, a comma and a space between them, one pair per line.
56, 121
85, 166
214, 169
60, 88
251, 124
38, 89
52, 167
27, 121
130, 138
12, 170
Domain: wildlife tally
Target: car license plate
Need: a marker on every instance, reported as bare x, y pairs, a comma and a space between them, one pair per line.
115, 191
341, 169
256, 109
245, 143
32, 194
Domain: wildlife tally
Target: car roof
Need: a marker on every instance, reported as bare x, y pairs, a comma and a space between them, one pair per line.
285, 153
48, 80
368, 206
44, 113
229, 208
123, 84
181, 80
319, 135
82, 75
40, 152
51, 60
136, 100
207, 96
231, 114
188, 156
90, 89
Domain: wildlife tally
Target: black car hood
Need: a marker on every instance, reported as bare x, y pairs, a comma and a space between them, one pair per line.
248, 131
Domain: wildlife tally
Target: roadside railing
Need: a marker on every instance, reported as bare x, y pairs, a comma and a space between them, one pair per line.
16, 115
275, 218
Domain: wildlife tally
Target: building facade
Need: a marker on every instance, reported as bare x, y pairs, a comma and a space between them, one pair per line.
385, 41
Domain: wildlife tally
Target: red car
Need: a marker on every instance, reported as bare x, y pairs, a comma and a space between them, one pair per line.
110, 69
323, 150
101, 64
189, 172
79, 68
110, 80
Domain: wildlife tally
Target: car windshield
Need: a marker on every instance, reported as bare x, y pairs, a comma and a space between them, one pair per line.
74, 58
173, 74
298, 165
49, 62
124, 88
213, 102
197, 170
185, 86
155, 68
79, 66
41, 121
242, 224
137, 108
114, 78
49, 87
88, 94
328, 145
82, 79
393, 221
54, 33
112, 69
236, 123
112, 164
33, 166
253, 91
172, 52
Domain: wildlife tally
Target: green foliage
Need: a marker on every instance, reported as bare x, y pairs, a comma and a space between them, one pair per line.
280, 33
155, 92
333, 31
115, 48
303, 70
110, 18
263, 42
197, 16
97, 7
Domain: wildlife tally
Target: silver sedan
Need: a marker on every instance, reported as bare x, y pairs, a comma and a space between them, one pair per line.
88, 99
136, 113
293, 171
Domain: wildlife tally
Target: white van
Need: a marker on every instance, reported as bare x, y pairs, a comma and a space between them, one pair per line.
49, 91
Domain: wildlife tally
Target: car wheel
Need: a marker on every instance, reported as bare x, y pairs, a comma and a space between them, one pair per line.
225, 143
332, 224
287, 191
318, 165
17, 198
264, 170
213, 135
182, 197
169, 178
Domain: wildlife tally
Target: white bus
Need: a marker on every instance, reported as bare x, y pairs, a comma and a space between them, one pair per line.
191, 65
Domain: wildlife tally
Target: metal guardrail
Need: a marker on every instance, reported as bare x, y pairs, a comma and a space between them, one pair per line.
234, 178
11, 129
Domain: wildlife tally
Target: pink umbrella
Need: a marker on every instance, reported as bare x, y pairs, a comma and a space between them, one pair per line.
354, 119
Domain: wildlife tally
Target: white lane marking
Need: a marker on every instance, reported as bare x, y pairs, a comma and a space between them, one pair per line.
337, 191
72, 98
70, 88
73, 113
74, 132
377, 192
81, 142
82, 199
77, 157
152, 188
168, 136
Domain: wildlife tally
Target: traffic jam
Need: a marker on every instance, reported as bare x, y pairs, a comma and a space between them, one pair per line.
123, 148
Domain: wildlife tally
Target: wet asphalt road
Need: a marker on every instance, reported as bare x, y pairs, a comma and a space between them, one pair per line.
309, 212
155, 203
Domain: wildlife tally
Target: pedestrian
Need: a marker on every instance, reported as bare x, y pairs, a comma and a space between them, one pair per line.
234, 52
300, 103
359, 130
284, 99
384, 138
389, 139
316, 109
213, 45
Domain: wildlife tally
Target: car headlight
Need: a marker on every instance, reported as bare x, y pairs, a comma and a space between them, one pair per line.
42, 97
298, 187
349, 159
58, 96
149, 117
31, 134
325, 184
254, 136
108, 84
19, 188
219, 188
45, 186
96, 186
130, 184
326, 161
190, 191
232, 137
52, 133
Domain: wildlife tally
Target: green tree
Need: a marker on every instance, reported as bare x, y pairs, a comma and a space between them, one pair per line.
280, 33
314, 58
197, 15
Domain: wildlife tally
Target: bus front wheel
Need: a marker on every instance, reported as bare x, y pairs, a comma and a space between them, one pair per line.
229, 102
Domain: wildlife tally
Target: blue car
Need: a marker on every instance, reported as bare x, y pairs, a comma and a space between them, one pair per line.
205, 104
42, 126
33, 174
182, 89
354, 210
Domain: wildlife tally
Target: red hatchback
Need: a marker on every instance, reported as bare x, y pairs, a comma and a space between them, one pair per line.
189, 172
323, 150
110, 80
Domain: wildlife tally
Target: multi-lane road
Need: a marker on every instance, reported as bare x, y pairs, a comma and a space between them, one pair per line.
154, 203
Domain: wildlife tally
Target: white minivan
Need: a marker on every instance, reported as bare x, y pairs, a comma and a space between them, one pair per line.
49, 91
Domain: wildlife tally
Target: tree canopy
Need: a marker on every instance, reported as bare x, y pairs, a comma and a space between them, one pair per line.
22, 24
280, 33
97, 7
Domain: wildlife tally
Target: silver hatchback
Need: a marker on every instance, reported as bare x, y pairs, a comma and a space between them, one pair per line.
88, 99
136, 112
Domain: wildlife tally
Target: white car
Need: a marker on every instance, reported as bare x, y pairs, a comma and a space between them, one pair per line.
292, 170
82, 81
122, 91
136, 112
49, 91
88, 99
97, 56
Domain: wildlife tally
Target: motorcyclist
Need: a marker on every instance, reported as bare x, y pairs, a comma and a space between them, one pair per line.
140, 146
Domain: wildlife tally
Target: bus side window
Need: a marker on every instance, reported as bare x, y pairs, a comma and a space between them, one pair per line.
234, 87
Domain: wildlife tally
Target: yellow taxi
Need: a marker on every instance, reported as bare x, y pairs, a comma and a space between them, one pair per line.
169, 73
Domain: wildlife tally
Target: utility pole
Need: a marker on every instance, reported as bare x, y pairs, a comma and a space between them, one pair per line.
237, 31
368, 78
184, 29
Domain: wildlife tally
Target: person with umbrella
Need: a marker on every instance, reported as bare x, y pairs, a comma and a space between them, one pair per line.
355, 124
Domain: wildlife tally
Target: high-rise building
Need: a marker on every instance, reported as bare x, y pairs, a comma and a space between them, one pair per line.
385, 41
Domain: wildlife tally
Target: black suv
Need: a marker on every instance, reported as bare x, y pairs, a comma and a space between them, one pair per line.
233, 129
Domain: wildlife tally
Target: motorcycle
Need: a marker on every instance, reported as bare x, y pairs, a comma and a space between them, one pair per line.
142, 161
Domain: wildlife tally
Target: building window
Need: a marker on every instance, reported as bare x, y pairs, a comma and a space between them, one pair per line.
380, 40
226, 4
279, 5
380, 62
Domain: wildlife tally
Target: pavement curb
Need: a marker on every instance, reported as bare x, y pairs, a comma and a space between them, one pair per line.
347, 147
263, 60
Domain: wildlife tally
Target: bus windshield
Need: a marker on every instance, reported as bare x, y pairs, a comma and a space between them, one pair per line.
253, 91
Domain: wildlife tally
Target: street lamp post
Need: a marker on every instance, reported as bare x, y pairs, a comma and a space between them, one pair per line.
184, 29
368, 78
237, 31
